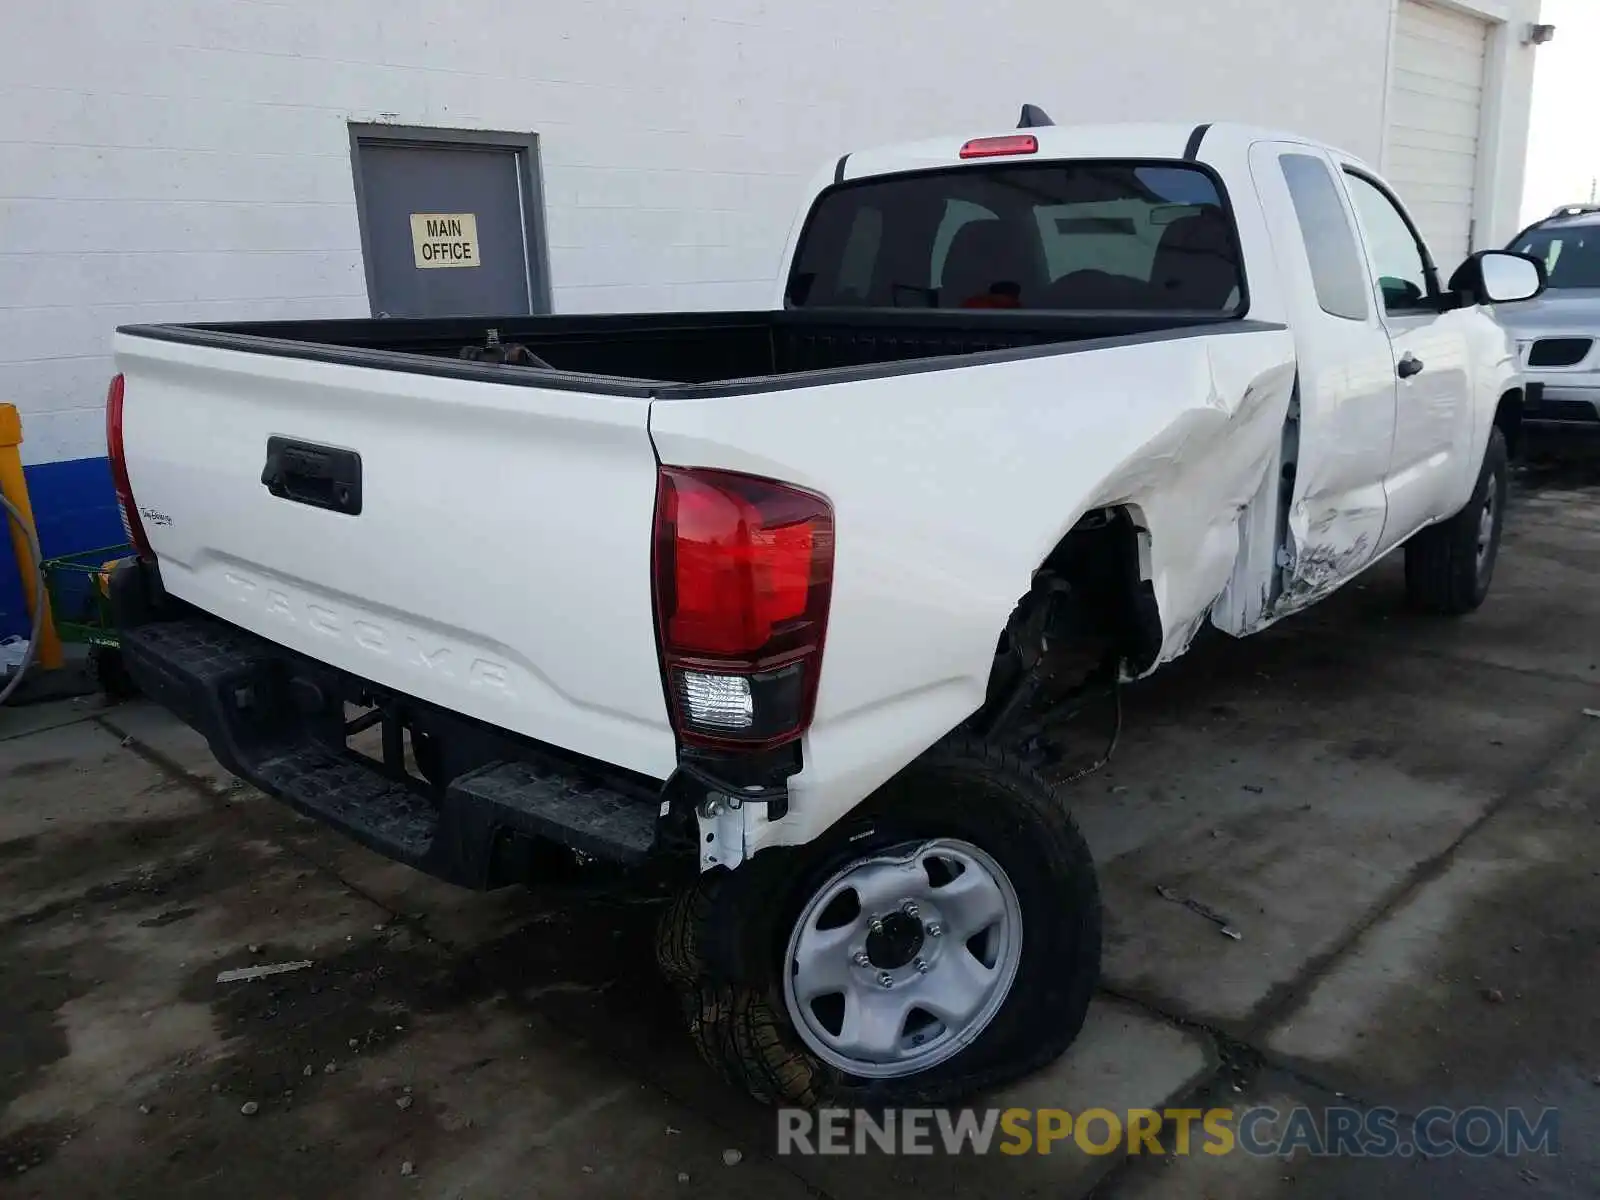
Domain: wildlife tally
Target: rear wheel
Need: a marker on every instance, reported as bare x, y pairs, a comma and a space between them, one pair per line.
1449, 566
901, 959
943, 939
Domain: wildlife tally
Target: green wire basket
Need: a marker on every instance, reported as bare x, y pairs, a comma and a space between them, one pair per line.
79, 595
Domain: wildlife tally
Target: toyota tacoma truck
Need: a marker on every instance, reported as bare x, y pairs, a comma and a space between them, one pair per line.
768, 597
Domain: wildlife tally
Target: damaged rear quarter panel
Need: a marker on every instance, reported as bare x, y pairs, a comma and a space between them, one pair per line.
950, 487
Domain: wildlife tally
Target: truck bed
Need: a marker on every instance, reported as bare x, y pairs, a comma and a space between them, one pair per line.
479, 537
663, 355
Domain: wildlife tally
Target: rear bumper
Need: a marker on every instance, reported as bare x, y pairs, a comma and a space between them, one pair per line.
278, 720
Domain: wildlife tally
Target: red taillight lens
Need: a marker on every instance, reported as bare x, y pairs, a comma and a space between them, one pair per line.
743, 573
994, 147
131, 523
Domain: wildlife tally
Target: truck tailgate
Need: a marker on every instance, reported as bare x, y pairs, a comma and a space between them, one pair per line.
499, 565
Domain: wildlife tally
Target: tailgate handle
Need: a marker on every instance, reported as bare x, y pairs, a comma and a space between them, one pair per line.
306, 473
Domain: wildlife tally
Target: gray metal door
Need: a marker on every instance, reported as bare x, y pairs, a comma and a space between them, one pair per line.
449, 229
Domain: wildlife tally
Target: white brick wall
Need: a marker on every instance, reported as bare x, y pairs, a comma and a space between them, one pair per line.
189, 159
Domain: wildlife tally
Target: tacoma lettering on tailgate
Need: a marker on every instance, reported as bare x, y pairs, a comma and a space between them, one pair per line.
282, 607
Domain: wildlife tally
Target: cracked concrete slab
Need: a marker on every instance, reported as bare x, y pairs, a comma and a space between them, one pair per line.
1288, 1112
1476, 989
1332, 771
53, 780
171, 741
1538, 618
1126, 1059
19, 721
78, 812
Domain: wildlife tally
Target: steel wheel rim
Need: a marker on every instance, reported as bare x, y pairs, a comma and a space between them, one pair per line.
1486, 517
917, 972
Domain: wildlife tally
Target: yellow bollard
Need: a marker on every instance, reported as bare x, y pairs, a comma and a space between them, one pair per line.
15, 489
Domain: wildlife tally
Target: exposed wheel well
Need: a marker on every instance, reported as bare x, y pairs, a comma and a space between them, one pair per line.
1091, 608
1508, 416
1105, 559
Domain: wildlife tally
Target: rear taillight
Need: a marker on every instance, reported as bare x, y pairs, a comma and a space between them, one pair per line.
118, 457
743, 571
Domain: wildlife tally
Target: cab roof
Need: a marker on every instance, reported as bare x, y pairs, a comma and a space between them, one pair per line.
1131, 140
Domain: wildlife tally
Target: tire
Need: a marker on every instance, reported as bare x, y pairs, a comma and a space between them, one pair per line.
678, 933
1449, 566
962, 793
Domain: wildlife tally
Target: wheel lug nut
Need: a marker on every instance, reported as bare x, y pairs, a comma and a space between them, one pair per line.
922, 967
935, 929
861, 959
876, 926
910, 908
886, 980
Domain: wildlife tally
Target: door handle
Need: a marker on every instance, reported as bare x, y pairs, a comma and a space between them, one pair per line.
1408, 365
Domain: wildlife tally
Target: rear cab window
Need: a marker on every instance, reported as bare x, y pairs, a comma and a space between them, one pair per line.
1059, 236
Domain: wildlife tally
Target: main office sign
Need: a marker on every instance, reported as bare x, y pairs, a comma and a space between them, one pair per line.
445, 240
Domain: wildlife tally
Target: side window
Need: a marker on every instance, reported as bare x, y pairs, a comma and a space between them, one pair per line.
1337, 272
1396, 253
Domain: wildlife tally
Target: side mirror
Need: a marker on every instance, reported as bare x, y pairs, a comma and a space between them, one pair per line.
1498, 277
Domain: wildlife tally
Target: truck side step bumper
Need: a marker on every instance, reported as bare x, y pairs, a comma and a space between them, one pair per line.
276, 720
380, 813
585, 817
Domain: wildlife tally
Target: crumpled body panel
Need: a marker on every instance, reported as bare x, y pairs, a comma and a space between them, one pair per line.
951, 487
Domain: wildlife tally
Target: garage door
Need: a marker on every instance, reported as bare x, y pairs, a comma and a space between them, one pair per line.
1434, 114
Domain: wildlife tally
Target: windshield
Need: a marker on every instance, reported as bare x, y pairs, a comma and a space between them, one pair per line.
1570, 255
1076, 236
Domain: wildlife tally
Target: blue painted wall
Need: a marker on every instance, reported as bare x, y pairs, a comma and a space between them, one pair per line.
75, 509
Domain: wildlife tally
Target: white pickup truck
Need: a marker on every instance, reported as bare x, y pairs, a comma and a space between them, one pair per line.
767, 596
